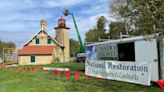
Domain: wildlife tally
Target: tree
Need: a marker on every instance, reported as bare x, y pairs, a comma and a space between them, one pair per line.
74, 47
99, 32
115, 29
101, 23
93, 35
140, 16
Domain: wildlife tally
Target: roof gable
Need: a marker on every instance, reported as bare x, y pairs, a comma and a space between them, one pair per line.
45, 33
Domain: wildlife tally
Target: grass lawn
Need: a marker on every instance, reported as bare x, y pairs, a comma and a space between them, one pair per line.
12, 81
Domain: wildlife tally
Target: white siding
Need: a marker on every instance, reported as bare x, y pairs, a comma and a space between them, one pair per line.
147, 51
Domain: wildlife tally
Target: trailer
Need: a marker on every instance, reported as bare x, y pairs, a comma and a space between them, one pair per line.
127, 59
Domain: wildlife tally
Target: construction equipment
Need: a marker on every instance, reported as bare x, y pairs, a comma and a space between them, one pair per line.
66, 13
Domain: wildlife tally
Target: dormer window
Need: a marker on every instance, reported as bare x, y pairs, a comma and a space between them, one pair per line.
37, 41
48, 41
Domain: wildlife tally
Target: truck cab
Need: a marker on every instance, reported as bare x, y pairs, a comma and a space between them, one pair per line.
81, 57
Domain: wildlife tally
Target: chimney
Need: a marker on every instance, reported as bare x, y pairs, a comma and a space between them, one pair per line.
43, 24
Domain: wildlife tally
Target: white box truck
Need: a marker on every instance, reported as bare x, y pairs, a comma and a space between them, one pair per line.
133, 49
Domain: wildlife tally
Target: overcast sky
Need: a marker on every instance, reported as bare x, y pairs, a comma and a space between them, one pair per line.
20, 19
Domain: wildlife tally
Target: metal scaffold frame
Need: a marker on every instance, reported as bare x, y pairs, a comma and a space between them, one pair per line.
9, 56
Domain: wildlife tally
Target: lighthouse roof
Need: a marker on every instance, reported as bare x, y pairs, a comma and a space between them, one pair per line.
61, 23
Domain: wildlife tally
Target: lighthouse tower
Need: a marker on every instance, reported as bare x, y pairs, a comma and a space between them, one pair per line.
62, 36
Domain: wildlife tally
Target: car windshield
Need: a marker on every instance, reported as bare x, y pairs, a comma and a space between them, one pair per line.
81, 55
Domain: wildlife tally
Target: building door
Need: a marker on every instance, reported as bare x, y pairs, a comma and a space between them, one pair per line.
32, 58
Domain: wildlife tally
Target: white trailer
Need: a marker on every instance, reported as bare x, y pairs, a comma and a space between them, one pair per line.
134, 49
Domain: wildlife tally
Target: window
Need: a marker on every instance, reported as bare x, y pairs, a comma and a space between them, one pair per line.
126, 52
32, 58
48, 41
37, 41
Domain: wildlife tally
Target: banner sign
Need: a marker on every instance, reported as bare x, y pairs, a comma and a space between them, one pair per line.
107, 51
133, 72
95, 68
91, 53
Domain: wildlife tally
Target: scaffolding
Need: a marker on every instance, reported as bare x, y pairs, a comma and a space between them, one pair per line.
9, 56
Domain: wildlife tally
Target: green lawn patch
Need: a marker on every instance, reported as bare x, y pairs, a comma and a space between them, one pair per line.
12, 81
